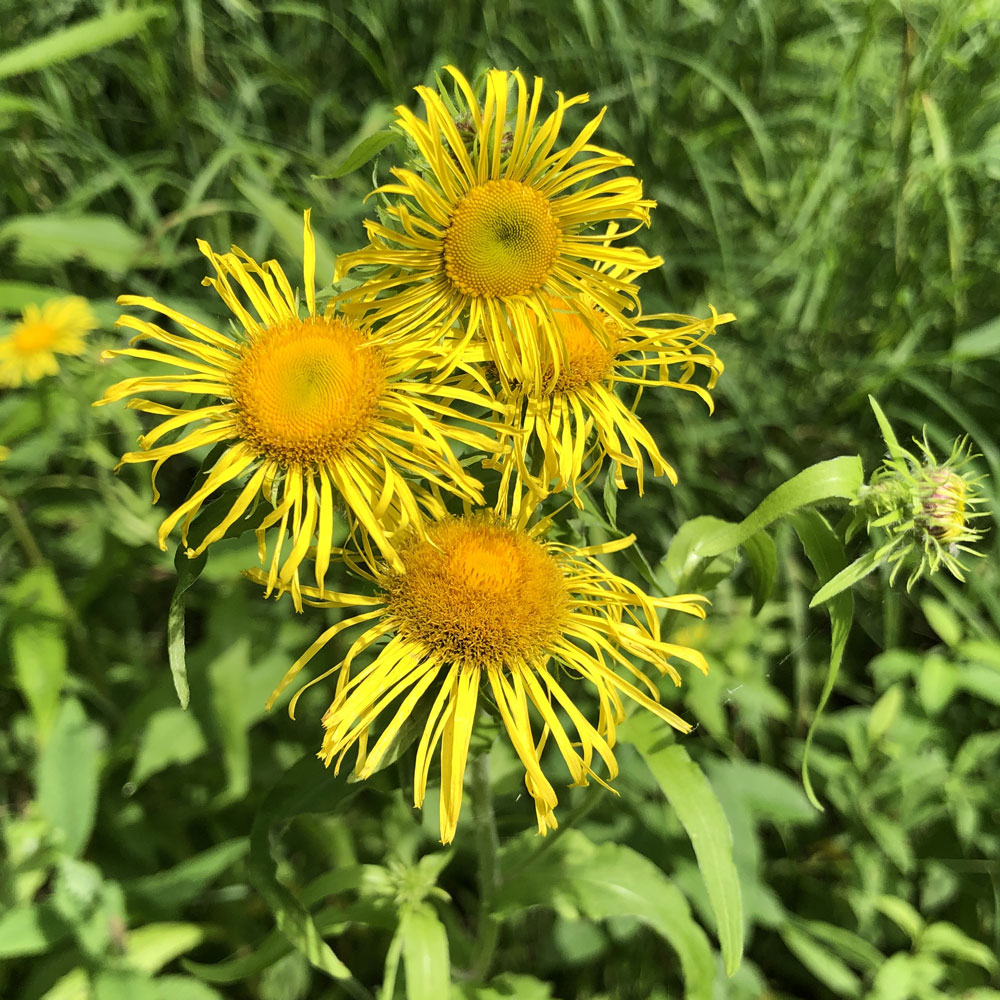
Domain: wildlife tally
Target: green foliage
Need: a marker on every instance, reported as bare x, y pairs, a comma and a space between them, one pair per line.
827, 171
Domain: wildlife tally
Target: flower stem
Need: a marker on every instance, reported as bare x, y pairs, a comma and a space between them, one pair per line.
22, 530
487, 848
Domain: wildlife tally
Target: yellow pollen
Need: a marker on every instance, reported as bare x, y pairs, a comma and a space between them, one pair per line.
479, 593
306, 389
586, 358
502, 240
31, 338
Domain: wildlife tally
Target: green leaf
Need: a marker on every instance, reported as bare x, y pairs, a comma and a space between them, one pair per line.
364, 151
227, 675
823, 549
90, 904
982, 681
907, 977
683, 555
771, 794
507, 986
975, 751
703, 538
611, 499
982, 342
888, 434
607, 880
944, 938
306, 787
38, 644
884, 713
14, 104
275, 946
188, 570
851, 574
172, 736
67, 776
15, 295
852, 948
287, 979
182, 988
763, 559
30, 930
691, 796
103, 241
941, 144
76, 40
242, 966
148, 949
178, 886
154, 945
825, 966
122, 984
901, 913
943, 620
425, 953
838, 478
937, 682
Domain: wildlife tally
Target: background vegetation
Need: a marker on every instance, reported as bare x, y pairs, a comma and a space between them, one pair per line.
828, 170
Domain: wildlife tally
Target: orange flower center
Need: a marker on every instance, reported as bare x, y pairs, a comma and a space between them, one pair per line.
586, 358
306, 390
478, 592
34, 337
502, 240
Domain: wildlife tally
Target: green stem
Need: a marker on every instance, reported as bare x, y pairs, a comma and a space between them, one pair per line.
22, 530
487, 851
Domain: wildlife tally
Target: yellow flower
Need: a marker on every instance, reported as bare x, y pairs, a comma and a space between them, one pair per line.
577, 419
29, 351
498, 216
485, 607
308, 409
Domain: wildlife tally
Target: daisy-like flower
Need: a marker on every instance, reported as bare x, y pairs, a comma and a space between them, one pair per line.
308, 409
485, 607
29, 351
495, 221
577, 418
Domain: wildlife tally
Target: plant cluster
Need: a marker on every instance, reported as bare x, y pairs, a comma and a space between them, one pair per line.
814, 816
500, 315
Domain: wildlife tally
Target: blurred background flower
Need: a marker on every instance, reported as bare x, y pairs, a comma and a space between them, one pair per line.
58, 326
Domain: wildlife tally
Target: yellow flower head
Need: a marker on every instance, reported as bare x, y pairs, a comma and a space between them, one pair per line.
309, 411
577, 418
29, 351
483, 606
496, 221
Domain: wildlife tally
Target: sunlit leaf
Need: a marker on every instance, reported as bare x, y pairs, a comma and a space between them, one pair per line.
610, 880
76, 40
691, 797
67, 775
425, 952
